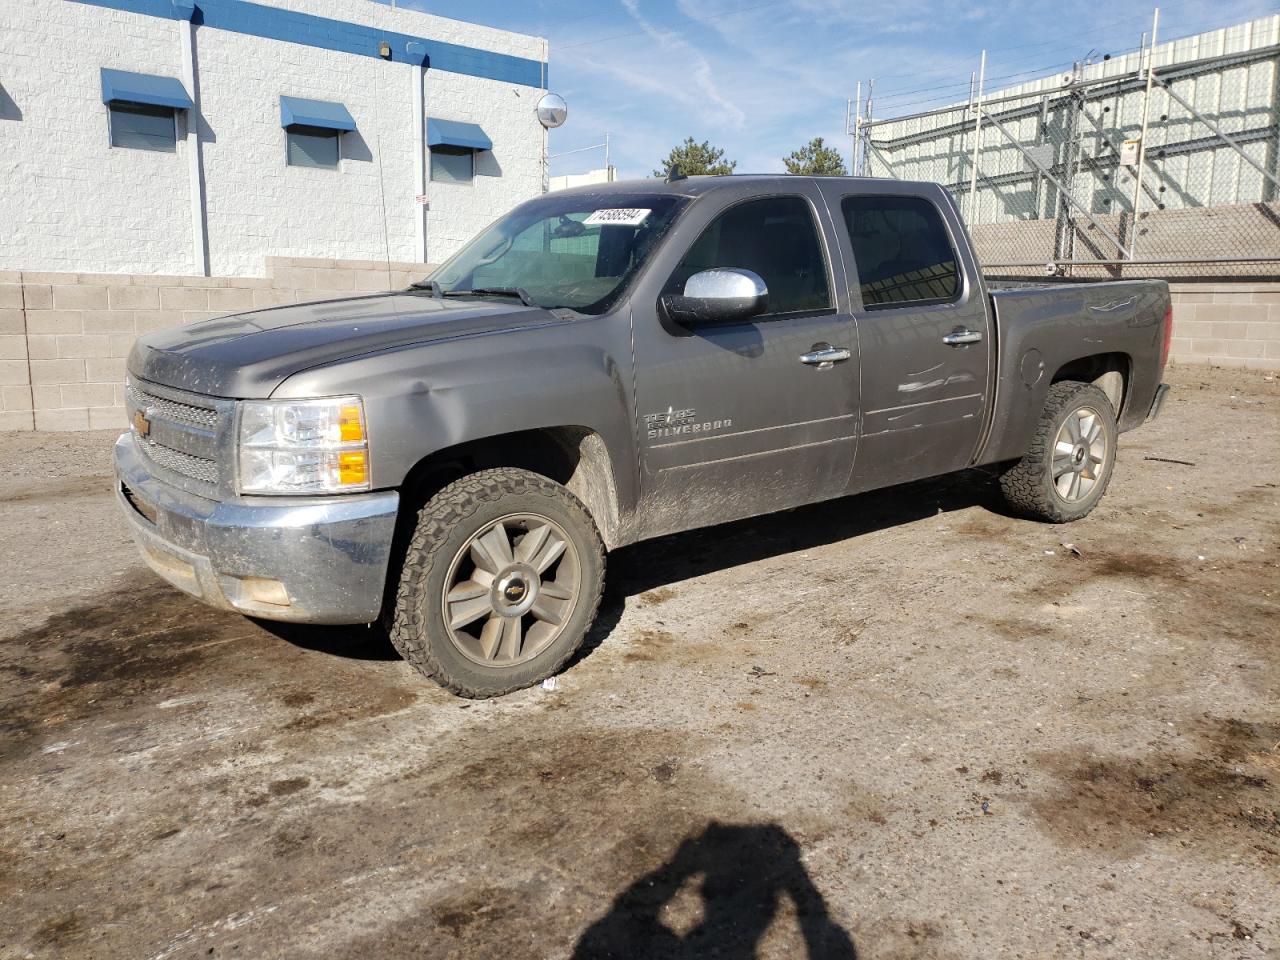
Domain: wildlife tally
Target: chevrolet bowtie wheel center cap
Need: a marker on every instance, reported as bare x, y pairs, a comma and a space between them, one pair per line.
515, 590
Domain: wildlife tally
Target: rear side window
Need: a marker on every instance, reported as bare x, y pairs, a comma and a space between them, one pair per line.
776, 238
902, 251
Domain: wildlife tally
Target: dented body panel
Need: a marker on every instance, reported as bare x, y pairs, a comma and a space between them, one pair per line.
677, 426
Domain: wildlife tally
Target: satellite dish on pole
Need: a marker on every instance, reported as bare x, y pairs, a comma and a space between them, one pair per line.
552, 110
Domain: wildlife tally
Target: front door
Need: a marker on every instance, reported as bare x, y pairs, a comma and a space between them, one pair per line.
924, 336
751, 417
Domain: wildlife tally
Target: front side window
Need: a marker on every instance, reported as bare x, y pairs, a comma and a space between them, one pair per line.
452, 164
776, 238
313, 147
141, 126
563, 250
901, 250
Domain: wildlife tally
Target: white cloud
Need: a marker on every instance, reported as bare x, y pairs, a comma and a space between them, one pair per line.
700, 70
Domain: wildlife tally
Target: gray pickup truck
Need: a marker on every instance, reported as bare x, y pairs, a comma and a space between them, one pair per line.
601, 366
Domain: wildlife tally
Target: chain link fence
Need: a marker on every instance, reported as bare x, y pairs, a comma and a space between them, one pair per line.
1057, 177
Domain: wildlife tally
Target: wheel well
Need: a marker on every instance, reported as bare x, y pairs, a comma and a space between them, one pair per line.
574, 457
1109, 372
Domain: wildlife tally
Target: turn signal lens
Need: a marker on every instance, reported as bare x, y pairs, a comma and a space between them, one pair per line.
353, 469
351, 423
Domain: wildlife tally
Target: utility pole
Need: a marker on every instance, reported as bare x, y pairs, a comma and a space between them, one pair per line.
852, 126
977, 140
864, 138
1142, 136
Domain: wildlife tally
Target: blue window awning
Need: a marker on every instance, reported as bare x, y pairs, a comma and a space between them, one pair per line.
297, 112
455, 133
120, 86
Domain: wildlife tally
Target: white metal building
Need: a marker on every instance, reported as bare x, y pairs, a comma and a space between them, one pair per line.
1223, 81
199, 137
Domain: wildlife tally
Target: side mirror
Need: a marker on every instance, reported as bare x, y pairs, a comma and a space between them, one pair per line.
721, 295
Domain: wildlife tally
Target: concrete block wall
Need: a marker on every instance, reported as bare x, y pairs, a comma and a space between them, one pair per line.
64, 337
1227, 324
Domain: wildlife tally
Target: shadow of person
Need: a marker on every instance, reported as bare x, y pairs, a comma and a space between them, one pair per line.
742, 873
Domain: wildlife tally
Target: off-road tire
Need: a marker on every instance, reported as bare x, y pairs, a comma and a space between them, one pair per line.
416, 622
1028, 485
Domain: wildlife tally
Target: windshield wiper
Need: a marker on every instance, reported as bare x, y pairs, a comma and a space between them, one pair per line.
520, 292
430, 286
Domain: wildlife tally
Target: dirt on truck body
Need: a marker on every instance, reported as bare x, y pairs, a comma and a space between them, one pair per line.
603, 366
905, 724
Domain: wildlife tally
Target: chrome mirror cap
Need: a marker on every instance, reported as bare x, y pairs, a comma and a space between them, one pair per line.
719, 295
726, 283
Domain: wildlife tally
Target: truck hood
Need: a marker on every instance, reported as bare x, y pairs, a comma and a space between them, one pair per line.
248, 355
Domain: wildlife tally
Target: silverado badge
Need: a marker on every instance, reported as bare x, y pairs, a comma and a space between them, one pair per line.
673, 422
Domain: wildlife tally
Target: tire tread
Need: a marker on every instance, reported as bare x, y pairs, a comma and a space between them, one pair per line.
452, 505
1026, 485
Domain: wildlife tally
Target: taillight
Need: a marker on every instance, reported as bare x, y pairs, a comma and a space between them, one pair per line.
1168, 337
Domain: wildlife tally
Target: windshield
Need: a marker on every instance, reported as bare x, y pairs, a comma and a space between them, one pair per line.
563, 250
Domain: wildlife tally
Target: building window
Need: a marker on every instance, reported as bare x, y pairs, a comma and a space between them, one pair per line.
313, 131
313, 147
142, 109
141, 126
453, 145
452, 164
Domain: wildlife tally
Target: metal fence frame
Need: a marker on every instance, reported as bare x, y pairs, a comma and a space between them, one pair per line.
1110, 241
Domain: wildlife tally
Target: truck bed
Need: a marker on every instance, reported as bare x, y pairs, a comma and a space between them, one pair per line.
1083, 328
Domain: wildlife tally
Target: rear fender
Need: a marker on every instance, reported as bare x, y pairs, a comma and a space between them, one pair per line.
1048, 331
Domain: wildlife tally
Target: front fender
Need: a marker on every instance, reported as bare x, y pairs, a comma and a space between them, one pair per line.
425, 398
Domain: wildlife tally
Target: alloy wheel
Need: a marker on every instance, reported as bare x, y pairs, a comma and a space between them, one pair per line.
511, 589
1079, 454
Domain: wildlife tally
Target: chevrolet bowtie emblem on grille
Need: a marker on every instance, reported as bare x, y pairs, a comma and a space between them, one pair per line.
141, 424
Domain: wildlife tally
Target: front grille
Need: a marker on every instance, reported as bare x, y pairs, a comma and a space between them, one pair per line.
180, 433
184, 464
174, 410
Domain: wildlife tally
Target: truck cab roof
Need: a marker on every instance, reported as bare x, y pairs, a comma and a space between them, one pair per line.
746, 183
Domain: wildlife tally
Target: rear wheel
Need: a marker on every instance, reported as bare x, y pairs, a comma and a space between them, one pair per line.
1069, 463
500, 583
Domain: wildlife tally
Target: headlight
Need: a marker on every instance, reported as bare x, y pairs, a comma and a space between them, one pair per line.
303, 446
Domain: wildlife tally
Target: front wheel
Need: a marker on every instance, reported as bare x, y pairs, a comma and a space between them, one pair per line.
500, 583
1068, 466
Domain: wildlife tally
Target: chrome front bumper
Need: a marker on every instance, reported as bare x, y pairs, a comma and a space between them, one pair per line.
330, 553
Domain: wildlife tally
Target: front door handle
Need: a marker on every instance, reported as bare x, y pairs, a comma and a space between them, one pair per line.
960, 336
824, 355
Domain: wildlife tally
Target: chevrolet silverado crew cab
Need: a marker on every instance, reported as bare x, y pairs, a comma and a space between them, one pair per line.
601, 366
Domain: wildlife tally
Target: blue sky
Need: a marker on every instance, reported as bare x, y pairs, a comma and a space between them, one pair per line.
760, 79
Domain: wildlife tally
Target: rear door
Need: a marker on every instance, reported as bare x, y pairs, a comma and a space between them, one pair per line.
923, 330
733, 420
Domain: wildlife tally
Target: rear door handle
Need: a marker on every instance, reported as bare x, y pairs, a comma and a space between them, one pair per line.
824, 355
961, 336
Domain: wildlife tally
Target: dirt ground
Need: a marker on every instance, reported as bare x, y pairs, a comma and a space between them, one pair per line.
903, 724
